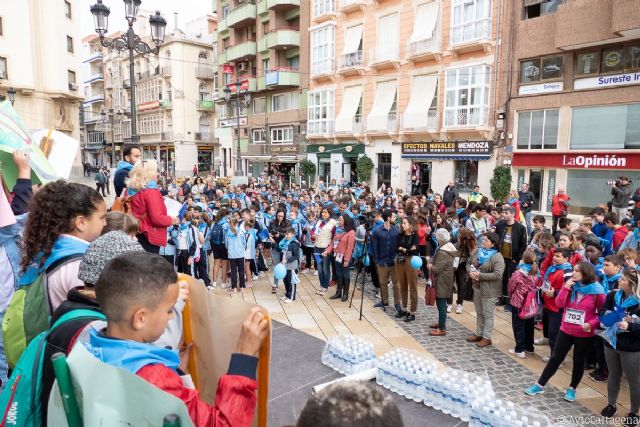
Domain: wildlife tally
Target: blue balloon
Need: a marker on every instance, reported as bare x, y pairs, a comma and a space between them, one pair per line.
366, 261
280, 271
416, 262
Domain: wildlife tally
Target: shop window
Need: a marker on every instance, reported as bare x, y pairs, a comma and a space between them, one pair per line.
538, 129
612, 127
615, 59
541, 69
588, 188
612, 60
587, 63
466, 173
535, 8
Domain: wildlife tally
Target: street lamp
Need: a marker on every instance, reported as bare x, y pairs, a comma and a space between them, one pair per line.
129, 41
238, 99
11, 93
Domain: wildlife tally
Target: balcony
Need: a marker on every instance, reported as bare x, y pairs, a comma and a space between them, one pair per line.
205, 72
392, 123
95, 78
242, 16
357, 128
241, 52
95, 56
126, 83
320, 128
472, 35
204, 136
431, 124
465, 117
324, 10
167, 136
222, 59
322, 69
347, 6
222, 26
279, 39
280, 78
352, 63
282, 4
386, 57
423, 49
166, 104
91, 117
93, 98
206, 105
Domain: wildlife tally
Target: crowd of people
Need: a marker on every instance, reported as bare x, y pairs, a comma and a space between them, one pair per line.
124, 263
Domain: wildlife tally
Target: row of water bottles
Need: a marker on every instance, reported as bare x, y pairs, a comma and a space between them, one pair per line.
404, 372
490, 412
349, 354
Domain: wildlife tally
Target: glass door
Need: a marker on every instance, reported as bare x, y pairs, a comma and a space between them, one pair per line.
536, 180
384, 169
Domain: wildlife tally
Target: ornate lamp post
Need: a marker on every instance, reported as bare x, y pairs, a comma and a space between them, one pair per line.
129, 41
237, 99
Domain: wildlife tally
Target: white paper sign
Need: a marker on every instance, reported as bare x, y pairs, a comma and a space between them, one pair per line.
173, 207
59, 148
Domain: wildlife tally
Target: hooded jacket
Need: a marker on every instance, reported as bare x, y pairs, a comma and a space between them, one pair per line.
443, 271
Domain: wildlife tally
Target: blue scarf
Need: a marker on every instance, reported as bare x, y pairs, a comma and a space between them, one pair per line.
123, 165
564, 267
130, 355
628, 302
525, 267
607, 280
284, 243
485, 255
150, 185
64, 246
590, 289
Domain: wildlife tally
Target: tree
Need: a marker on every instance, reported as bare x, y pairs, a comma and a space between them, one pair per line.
501, 183
364, 166
307, 169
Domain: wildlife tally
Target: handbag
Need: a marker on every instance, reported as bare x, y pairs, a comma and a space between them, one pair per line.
122, 203
430, 295
531, 305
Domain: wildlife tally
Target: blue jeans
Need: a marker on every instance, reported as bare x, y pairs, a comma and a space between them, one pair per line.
343, 276
324, 269
527, 220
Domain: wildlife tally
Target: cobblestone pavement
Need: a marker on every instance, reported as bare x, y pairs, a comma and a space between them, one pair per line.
509, 378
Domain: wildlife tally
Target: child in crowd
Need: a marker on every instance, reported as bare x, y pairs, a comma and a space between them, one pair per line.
538, 225
219, 230
137, 293
290, 249
564, 226
308, 243
187, 244
169, 252
521, 282
202, 264
250, 251
235, 243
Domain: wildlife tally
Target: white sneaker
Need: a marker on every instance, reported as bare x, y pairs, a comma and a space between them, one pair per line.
283, 298
255, 277
213, 284
545, 359
377, 295
210, 288
448, 308
459, 309
315, 272
288, 301
521, 355
321, 291
541, 341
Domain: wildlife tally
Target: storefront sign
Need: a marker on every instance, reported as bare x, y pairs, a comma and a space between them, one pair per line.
447, 147
540, 88
227, 69
284, 149
244, 85
607, 81
233, 122
551, 189
568, 160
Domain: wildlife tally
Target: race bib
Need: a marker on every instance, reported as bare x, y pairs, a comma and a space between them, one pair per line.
339, 257
573, 316
546, 285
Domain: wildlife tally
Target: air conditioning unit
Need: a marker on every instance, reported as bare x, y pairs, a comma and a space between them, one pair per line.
73, 86
243, 66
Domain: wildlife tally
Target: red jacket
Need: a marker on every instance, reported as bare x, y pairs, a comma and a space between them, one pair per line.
590, 304
619, 235
519, 285
344, 244
235, 398
558, 205
149, 208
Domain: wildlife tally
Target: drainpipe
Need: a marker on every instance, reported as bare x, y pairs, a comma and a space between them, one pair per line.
495, 63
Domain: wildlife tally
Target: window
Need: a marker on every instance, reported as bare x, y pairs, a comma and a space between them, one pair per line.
148, 91
284, 101
588, 188
538, 129
541, 69
587, 63
615, 59
282, 135
471, 20
69, 44
265, 65
258, 136
225, 10
384, 169
467, 96
205, 93
320, 112
466, 173
259, 105
323, 7
71, 76
3, 68
606, 128
222, 111
1, 27
322, 50
535, 8
612, 60
388, 37
67, 9
150, 123
293, 62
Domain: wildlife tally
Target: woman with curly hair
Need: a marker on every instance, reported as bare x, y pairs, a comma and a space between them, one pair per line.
64, 219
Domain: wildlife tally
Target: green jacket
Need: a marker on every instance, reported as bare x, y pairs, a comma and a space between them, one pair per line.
490, 282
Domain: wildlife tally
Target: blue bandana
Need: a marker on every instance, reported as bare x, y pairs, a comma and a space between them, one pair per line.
626, 303
607, 281
284, 243
64, 246
590, 289
485, 255
564, 267
525, 267
150, 185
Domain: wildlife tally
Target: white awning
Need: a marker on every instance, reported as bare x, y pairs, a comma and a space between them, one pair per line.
350, 102
352, 38
425, 22
422, 92
385, 95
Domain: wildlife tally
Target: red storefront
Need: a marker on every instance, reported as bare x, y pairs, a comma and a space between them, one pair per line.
584, 175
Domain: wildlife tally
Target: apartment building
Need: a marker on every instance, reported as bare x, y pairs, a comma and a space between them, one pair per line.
408, 83
34, 34
571, 104
175, 94
261, 45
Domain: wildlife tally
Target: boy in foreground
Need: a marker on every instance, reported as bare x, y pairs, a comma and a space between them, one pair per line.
137, 292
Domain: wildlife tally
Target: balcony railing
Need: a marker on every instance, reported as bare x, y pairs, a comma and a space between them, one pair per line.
392, 123
204, 72
240, 51
204, 135
94, 78
166, 104
471, 31
323, 7
349, 5
423, 47
465, 116
94, 97
95, 56
358, 125
352, 60
242, 15
95, 137
206, 105
432, 122
282, 77
384, 55
322, 127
